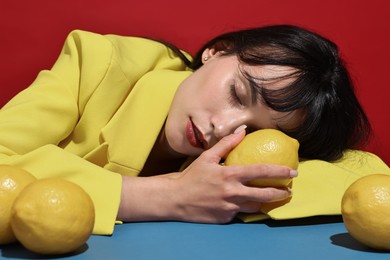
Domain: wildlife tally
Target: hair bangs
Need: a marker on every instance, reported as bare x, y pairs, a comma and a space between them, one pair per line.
290, 97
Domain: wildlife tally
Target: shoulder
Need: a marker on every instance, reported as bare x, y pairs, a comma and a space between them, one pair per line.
88, 41
144, 52
133, 55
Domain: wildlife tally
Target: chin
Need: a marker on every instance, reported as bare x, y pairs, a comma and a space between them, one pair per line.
188, 150
194, 152
177, 149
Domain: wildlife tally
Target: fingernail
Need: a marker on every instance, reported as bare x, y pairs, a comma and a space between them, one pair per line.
293, 173
240, 129
290, 191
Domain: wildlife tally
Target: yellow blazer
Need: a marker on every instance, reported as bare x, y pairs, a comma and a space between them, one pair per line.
95, 115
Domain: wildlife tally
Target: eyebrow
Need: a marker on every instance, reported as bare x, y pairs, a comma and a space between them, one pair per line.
255, 91
255, 88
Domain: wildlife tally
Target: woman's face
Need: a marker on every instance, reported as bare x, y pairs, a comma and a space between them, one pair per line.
216, 99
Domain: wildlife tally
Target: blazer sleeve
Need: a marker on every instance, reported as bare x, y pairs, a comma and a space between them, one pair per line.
36, 120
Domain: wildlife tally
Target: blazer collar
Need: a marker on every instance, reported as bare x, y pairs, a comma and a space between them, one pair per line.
133, 130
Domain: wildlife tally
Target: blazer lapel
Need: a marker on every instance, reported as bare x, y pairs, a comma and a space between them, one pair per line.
130, 135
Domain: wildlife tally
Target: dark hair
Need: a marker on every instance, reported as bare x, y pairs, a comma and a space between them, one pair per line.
333, 118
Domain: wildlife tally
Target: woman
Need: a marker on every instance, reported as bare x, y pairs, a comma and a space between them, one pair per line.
120, 116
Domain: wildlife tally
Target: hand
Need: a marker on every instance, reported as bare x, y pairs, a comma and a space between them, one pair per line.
205, 192
208, 192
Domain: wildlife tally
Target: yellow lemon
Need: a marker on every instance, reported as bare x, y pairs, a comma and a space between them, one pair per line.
365, 209
12, 181
266, 146
53, 216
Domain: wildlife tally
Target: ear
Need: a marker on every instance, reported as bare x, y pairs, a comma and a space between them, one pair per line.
213, 51
208, 54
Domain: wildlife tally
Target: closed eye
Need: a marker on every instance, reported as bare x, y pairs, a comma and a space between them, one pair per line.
234, 97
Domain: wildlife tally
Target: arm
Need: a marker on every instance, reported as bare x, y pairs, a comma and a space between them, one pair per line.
205, 192
37, 121
51, 127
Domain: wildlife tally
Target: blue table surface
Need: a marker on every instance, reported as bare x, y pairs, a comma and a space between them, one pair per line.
310, 238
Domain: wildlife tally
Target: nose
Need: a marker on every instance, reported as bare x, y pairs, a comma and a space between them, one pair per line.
226, 122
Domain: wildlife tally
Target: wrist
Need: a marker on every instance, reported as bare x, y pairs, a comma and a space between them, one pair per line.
148, 199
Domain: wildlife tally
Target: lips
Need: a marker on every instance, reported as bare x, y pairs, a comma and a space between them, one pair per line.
194, 136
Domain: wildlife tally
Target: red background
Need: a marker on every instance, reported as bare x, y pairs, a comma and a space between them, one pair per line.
32, 34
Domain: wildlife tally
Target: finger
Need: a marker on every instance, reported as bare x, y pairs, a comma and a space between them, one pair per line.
250, 207
226, 144
250, 172
267, 194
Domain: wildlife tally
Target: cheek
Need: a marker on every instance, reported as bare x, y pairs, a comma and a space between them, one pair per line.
214, 94
202, 92
174, 133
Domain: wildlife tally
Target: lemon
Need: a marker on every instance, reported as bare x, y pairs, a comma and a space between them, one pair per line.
365, 209
12, 181
53, 216
266, 146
